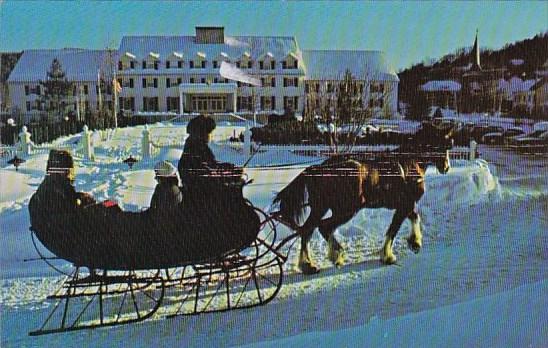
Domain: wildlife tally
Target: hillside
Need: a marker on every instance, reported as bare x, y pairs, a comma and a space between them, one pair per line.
522, 58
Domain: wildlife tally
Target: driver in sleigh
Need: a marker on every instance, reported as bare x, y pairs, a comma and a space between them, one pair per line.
198, 169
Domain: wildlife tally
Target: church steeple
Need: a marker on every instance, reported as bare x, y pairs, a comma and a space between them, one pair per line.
476, 54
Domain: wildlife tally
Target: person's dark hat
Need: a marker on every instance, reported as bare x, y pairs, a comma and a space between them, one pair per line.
59, 162
200, 126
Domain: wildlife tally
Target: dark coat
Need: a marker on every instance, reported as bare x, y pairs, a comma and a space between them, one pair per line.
196, 162
166, 196
56, 215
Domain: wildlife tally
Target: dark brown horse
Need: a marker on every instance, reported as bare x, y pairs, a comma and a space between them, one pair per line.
348, 183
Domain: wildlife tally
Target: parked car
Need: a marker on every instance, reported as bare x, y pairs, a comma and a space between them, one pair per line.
500, 138
322, 127
359, 131
480, 130
541, 126
536, 142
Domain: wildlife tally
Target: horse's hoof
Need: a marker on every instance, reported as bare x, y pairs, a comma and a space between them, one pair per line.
337, 258
388, 259
308, 268
414, 245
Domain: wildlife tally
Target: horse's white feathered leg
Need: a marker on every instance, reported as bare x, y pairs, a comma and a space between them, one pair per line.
387, 254
415, 238
335, 253
305, 263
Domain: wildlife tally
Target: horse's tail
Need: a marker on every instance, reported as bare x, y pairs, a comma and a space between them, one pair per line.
292, 200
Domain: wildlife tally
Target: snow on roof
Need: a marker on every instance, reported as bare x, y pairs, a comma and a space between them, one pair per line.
201, 55
517, 61
154, 55
332, 64
223, 55
238, 46
78, 64
129, 55
177, 55
518, 85
441, 85
267, 55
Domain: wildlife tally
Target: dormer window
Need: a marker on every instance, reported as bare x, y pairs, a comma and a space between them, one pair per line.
175, 59
127, 60
245, 61
291, 61
152, 61
215, 64
199, 62
267, 62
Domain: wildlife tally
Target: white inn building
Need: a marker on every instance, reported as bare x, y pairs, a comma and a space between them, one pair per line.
175, 75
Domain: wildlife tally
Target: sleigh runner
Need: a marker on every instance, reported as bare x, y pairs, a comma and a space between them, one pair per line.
242, 278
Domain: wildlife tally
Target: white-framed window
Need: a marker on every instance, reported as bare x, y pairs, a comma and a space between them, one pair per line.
291, 103
126, 103
151, 64
172, 103
150, 82
291, 82
377, 87
150, 103
209, 103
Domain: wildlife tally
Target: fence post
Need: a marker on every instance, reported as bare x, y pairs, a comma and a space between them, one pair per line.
247, 142
25, 144
88, 146
145, 143
472, 149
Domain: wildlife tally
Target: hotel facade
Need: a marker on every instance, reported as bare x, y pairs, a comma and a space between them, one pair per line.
174, 75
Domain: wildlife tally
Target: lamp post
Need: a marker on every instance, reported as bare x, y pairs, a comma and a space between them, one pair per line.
130, 161
16, 161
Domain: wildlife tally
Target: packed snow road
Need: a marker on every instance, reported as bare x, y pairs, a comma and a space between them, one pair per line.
485, 248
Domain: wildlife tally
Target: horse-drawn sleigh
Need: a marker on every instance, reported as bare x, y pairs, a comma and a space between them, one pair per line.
129, 266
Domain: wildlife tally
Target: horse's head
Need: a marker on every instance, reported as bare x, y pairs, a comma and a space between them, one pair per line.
434, 136
442, 162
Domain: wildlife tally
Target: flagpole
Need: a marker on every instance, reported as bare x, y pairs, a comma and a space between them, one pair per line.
115, 91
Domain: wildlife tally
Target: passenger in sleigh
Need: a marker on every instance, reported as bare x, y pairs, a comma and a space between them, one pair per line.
56, 209
167, 194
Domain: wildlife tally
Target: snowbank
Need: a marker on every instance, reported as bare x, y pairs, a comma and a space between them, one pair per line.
515, 318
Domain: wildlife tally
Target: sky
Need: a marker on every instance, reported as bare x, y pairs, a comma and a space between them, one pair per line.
408, 32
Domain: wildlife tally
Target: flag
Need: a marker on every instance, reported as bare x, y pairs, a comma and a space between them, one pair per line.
99, 95
231, 72
116, 86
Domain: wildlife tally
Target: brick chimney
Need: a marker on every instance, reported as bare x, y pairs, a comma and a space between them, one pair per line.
210, 35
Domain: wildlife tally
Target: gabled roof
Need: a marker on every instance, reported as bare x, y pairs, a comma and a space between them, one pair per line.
332, 65
129, 55
223, 55
441, 85
234, 46
177, 55
517, 85
266, 55
78, 64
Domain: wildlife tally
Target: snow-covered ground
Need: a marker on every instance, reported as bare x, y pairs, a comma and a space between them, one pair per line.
480, 280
